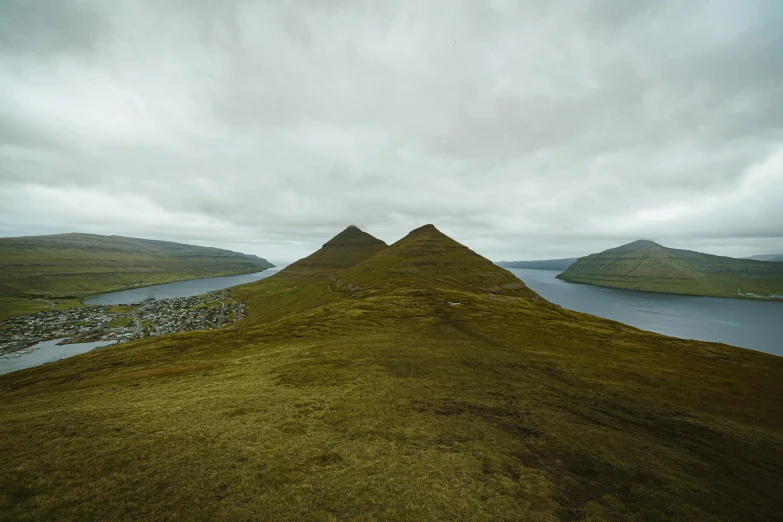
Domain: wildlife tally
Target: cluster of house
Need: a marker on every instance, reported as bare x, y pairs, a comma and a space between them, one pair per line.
105, 323
206, 312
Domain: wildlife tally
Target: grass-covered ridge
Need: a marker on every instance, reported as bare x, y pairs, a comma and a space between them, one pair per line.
38, 272
648, 266
361, 390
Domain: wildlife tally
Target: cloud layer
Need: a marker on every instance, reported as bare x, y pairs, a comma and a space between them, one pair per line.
525, 129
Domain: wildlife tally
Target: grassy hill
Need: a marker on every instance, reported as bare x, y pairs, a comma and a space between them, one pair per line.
413, 382
648, 266
37, 272
541, 264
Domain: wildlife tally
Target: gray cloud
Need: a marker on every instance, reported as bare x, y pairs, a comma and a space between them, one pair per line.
526, 129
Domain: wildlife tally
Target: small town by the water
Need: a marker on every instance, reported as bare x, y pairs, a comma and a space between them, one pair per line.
120, 323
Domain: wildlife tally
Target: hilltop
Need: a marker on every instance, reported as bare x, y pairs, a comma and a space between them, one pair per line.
415, 381
38, 272
647, 266
342, 251
426, 259
541, 264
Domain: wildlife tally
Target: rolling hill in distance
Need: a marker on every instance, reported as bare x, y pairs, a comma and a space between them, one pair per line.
414, 381
647, 266
541, 264
775, 258
37, 272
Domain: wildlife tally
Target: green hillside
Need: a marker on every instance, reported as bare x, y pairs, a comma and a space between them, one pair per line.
307, 283
541, 264
648, 266
344, 250
38, 272
413, 382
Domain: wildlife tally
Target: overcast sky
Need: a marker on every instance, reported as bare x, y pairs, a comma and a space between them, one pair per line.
525, 130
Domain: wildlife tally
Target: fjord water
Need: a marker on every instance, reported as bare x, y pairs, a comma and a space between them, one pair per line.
757, 325
179, 289
47, 351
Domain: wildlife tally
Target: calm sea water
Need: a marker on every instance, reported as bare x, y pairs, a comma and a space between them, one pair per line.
757, 325
178, 289
47, 351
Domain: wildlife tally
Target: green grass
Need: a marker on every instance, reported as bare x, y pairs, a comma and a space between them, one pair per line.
120, 322
647, 266
208, 304
17, 306
377, 400
70, 267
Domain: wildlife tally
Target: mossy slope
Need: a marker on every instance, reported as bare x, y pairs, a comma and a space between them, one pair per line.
386, 402
308, 282
344, 250
427, 258
648, 266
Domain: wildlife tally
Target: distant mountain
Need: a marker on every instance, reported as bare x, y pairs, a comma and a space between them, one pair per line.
541, 264
775, 258
648, 266
35, 271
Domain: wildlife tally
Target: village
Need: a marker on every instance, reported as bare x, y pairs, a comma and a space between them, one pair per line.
119, 323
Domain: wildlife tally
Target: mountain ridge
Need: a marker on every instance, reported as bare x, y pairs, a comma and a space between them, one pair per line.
427, 257
37, 272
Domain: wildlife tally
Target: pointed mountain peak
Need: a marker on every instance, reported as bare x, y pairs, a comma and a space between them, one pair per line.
427, 234
344, 250
425, 228
353, 235
644, 242
641, 245
428, 259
